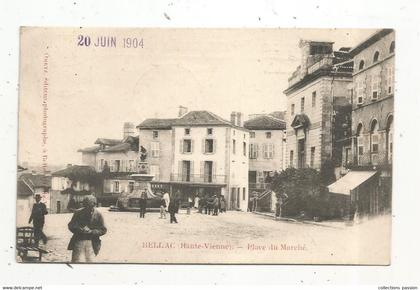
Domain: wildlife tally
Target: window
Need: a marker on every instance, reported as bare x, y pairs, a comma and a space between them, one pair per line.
268, 151
376, 56
117, 165
155, 149
360, 92
131, 186
348, 152
187, 131
187, 146
253, 151
116, 186
313, 99
208, 171
361, 64
375, 87
302, 104
312, 156
131, 166
209, 131
374, 137
234, 146
243, 193
154, 170
234, 132
209, 146
251, 134
268, 135
244, 149
389, 80
392, 47
291, 158
292, 109
155, 134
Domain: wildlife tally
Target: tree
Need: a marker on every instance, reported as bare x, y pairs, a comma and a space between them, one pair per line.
305, 191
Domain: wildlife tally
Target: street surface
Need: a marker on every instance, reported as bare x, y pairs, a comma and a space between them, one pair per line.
232, 237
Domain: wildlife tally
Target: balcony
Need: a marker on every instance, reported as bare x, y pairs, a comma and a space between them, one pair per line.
259, 186
199, 178
325, 62
373, 159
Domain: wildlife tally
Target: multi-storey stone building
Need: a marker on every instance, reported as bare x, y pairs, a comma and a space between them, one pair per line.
198, 153
267, 147
317, 91
116, 160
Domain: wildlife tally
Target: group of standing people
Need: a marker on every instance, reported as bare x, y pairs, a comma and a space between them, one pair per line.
212, 205
171, 206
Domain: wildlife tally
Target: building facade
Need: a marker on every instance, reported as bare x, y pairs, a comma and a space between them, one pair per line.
267, 149
198, 153
115, 160
317, 90
373, 114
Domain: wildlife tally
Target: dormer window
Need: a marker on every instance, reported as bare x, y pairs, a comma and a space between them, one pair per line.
361, 64
392, 47
209, 131
187, 131
376, 56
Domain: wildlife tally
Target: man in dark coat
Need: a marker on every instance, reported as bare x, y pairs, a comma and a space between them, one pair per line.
173, 209
39, 210
87, 225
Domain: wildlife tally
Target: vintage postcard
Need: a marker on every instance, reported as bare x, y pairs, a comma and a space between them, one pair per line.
205, 146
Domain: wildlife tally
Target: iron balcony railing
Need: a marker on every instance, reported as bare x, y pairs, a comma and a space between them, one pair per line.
373, 158
198, 178
258, 186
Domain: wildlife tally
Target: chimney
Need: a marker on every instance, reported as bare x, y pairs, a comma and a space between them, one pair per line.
233, 118
239, 119
69, 165
128, 129
182, 111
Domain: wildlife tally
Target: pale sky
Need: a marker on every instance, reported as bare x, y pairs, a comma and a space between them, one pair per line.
93, 91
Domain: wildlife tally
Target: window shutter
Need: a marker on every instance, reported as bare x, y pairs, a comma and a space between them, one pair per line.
214, 145
179, 169
192, 168
272, 150
203, 146
180, 146
257, 148
192, 146
214, 173
201, 168
112, 186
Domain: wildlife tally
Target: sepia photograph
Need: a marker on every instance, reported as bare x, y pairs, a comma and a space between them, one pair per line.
205, 145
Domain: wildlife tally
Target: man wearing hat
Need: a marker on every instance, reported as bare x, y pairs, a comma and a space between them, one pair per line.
87, 225
39, 210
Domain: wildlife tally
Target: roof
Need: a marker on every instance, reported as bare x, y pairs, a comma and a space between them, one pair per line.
199, 118
36, 180
192, 118
265, 122
106, 141
77, 172
350, 181
118, 148
93, 149
157, 124
278, 114
369, 41
114, 145
23, 189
